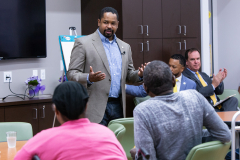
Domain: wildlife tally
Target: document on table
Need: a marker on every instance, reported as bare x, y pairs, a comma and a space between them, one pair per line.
221, 101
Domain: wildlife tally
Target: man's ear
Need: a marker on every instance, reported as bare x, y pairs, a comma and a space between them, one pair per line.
186, 62
99, 21
57, 111
145, 88
182, 69
173, 80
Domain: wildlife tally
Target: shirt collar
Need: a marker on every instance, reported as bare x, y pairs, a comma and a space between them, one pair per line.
179, 78
81, 121
191, 71
104, 39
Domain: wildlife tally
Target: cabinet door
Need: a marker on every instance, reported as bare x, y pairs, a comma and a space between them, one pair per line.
90, 10
190, 18
137, 48
152, 50
132, 19
188, 43
171, 18
46, 116
152, 18
23, 113
171, 47
2, 114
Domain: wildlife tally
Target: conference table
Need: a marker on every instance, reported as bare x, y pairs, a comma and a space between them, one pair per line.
9, 153
227, 117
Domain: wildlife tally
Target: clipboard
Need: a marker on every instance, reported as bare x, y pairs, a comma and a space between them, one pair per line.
66, 43
221, 101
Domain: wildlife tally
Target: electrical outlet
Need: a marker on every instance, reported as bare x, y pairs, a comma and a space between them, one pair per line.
42, 73
7, 74
35, 72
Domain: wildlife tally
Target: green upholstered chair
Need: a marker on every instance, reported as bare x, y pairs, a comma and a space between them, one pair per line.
118, 129
228, 92
23, 129
127, 140
214, 150
138, 100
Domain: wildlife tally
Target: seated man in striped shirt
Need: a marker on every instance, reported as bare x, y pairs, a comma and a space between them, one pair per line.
169, 125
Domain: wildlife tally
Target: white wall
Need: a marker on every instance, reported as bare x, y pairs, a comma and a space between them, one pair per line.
205, 52
60, 14
227, 35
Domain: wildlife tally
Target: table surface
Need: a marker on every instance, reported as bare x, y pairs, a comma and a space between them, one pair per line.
228, 115
9, 153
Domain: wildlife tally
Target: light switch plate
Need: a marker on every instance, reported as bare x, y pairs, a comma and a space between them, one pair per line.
43, 74
35, 72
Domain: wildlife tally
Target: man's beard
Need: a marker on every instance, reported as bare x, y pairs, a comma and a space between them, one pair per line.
108, 35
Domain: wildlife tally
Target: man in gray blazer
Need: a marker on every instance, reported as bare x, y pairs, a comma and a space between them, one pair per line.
104, 52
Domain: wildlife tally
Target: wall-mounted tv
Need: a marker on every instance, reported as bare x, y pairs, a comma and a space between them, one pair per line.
22, 29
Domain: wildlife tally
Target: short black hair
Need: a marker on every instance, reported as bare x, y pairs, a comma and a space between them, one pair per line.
157, 77
179, 57
108, 9
70, 99
190, 51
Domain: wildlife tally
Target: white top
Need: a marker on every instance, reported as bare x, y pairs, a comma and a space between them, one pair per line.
178, 82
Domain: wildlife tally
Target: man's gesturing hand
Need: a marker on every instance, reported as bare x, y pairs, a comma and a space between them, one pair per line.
217, 79
141, 69
97, 76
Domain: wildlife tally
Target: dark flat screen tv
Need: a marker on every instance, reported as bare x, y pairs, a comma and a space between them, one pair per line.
22, 29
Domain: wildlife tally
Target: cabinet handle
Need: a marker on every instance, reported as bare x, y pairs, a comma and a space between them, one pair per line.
147, 46
43, 112
36, 113
185, 44
142, 47
147, 30
180, 47
179, 27
141, 29
185, 30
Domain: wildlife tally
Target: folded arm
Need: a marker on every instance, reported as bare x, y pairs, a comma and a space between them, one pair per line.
142, 136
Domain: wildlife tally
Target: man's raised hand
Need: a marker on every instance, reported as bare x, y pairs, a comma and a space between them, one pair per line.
97, 76
224, 73
217, 79
141, 69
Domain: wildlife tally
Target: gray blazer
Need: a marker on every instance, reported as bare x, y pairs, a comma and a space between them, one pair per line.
89, 51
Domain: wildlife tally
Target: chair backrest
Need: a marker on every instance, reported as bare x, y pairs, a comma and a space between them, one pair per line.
23, 129
138, 100
127, 140
229, 92
118, 129
214, 150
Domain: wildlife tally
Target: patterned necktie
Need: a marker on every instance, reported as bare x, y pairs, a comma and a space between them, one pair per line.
175, 87
213, 97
